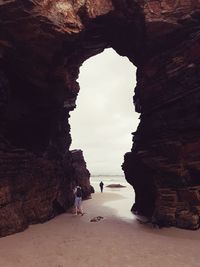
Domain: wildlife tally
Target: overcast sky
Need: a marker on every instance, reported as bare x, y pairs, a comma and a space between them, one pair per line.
104, 119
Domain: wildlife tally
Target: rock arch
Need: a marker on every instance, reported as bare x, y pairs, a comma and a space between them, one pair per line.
42, 45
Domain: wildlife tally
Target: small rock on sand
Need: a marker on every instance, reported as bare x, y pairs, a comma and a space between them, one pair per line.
96, 219
115, 185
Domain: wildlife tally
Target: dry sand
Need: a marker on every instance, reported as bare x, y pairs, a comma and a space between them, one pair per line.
70, 240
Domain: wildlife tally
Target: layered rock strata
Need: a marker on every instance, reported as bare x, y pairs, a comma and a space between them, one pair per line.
163, 165
42, 45
34, 189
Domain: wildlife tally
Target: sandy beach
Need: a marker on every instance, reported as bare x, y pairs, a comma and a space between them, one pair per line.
70, 240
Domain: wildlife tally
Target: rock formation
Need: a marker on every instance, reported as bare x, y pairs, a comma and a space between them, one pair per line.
163, 165
42, 45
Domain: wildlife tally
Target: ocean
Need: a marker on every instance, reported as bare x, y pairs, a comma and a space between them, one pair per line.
127, 197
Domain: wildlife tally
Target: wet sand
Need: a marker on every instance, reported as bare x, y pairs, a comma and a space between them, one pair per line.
119, 241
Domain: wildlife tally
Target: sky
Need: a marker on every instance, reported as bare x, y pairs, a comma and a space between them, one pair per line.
104, 119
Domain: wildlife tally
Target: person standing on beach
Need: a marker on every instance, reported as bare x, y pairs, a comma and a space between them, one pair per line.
101, 186
78, 200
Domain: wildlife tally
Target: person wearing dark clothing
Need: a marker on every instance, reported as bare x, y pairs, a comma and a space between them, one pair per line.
101, 186
78, 200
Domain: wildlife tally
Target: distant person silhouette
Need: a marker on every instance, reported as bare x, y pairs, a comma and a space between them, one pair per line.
101, 186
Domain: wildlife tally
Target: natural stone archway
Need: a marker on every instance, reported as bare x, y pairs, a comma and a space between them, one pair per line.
42, 45
104, 116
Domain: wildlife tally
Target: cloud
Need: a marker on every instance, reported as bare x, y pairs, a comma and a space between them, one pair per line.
104, 118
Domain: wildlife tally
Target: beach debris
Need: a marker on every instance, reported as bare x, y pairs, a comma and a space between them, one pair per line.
96, 219
115, 185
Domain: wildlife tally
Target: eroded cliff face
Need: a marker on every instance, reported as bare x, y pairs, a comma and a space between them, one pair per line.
42, 45
164, 163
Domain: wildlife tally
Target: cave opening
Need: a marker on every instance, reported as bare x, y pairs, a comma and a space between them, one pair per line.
40, 56
104, 119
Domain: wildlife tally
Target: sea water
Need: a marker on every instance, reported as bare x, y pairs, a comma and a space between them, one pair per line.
122, 206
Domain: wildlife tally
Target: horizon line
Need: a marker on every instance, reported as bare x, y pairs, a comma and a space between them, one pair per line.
107, 175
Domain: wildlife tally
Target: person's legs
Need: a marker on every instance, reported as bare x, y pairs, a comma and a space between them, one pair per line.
76, 205
80, 209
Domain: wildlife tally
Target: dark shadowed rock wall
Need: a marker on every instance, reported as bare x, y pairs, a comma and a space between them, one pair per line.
42, 46
163, 165
80, 174
35, 188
